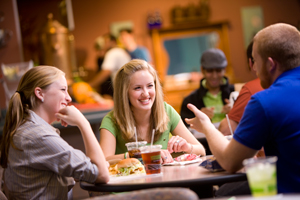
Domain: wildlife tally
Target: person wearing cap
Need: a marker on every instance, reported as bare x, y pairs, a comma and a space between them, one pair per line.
213, 94
237, 111
271, 117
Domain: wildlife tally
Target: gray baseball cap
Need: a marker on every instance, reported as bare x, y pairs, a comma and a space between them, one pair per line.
213, 58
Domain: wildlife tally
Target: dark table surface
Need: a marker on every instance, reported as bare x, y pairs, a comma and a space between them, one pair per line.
192, 176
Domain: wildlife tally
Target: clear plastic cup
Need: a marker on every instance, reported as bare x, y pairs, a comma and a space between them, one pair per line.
151, 158
261, 174
134, 151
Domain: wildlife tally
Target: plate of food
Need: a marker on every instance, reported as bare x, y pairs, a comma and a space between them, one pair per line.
185, 159
125, 169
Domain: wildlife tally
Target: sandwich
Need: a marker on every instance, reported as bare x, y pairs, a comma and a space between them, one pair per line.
127, 167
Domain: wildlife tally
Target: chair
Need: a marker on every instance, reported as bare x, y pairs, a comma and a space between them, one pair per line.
152, 194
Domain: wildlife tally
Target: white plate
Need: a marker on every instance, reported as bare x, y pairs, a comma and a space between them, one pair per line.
184, 162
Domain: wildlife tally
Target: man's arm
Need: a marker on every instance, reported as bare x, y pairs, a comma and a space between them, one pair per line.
230, 154
100, 78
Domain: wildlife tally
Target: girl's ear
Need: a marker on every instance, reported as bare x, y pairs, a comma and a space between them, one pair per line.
39, 93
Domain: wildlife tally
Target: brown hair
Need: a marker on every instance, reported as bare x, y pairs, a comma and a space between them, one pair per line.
122, 111
281, 42
22, 100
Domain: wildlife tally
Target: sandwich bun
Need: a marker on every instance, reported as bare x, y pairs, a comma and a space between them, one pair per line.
128, 162
129, 166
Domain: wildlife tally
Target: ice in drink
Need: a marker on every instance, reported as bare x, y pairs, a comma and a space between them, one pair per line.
261, 174
134, 151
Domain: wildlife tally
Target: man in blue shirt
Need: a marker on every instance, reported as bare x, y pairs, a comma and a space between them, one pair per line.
271, 118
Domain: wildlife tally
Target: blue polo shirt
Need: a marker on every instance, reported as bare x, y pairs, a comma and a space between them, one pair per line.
272, 120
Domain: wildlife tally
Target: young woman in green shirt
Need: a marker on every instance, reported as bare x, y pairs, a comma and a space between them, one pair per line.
139, 105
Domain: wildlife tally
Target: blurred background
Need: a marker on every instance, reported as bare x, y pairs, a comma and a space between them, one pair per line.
158, 26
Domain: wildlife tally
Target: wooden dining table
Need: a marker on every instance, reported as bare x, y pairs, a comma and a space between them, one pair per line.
192, 176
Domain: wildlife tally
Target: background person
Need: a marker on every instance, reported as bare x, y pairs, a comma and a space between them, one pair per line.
237, 111
270, 120
213, 93
136, 52
105, 89
138, 102
114, 58
38, 163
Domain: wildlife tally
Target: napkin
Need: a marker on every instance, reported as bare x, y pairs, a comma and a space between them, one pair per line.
212, 165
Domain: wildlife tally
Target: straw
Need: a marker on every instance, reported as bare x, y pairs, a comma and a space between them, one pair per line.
152, 138
136, 140
229, 124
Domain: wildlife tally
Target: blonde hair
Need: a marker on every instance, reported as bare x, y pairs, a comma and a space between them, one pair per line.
122, 112
22, 100
281, 42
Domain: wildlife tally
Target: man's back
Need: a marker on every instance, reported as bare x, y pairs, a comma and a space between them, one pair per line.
271, 120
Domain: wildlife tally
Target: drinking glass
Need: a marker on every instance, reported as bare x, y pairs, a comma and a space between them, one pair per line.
134, 151
261, 174
151, 158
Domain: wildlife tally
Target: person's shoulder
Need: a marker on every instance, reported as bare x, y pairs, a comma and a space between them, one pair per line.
116, 54
253, 86
193, 94
142, 48
109, 115
168, 107
116, 50
253, 82
32, 130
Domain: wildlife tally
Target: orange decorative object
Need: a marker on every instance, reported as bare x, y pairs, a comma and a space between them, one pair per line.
82, 92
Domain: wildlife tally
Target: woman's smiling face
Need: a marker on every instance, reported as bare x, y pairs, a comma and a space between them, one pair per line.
56, 97
141, 90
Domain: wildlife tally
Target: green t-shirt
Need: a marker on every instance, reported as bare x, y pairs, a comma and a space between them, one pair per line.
215, 101
107, 123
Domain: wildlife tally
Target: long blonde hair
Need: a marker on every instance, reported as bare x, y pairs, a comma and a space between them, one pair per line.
22, 100
122, 112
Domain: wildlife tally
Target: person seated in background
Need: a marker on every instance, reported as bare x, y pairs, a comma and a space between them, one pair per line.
38, 163
115, 57
139, 105
105, 89
270, 120
234, 116
136, 52
250, 88
212, 97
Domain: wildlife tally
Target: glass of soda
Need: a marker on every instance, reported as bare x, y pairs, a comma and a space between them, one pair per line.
134, 151
151, 158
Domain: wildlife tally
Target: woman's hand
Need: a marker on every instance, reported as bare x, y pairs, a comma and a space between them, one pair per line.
70, 115
178, 144
199, 121
166, 157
